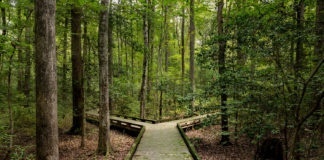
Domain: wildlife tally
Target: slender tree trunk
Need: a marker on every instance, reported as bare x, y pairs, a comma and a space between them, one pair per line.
222, 69
151, 6
46, 82
65, 48
86, 75
143, 90
104, 146
319, 28
4, 20
77, 71
28, 64
11, 121
192, 52
19, 52
161, 105
300, 55
166, 38
183, 47
299, 65
3, 33
110, 54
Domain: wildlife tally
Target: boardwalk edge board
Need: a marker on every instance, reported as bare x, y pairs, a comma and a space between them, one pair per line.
188, 143
133, 149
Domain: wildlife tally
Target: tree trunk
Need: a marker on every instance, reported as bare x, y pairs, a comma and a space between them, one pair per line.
11, 121
192, 53
299, 65
300, 55
183, 47
4, 32
77, 71
222, 69
4, 20
166, 38
319, 28
110, 54
46, 82
143, 90
65, 48
19, 52
28, 64
104, 146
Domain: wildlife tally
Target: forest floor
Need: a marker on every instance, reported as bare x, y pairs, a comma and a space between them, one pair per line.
69, 146
206, 141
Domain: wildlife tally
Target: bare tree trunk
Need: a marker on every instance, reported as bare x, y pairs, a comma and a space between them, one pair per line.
86, 75
4, 32
299, 65
183, 47
11, 121
65, 48
222, 69
104, 146
166, 38
19, 50
319, 28
110, 54
300, 55
151, 48
4, 20
192, 52
77, 71
28, 64
143, 90
46, 82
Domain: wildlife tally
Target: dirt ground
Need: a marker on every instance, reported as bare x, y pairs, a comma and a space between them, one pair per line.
206, 141
69, 146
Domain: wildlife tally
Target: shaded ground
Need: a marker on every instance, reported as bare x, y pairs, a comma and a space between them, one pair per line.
70, 146
206, 141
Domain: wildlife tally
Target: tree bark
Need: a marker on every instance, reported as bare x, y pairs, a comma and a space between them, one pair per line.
77, 71
192, 53
28, 56
300, 55
183, 46
299, 65
222, 69
143, 90
4, 20
110, 54
65, 48
104, 146
46, 81
319, 31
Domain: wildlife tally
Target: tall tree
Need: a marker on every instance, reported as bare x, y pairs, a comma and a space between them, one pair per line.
28, 62
65, 60
192, 52
104, 146
4, 19
46, 82
77, 70
300, 55
143, 91
319, 29
222, 69
183, 45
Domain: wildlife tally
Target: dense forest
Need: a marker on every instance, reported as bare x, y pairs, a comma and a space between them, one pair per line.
256, 65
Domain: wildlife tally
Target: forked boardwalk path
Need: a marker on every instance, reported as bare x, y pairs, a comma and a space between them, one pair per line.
160, 141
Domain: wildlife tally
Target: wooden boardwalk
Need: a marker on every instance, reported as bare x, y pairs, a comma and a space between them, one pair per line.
160, 141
